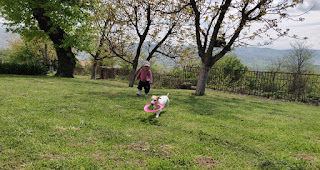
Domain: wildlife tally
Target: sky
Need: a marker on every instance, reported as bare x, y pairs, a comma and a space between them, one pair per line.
308, 28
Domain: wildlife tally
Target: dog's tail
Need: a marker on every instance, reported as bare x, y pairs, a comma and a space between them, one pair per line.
168, 94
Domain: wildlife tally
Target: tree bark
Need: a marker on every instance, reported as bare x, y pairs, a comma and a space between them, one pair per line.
94, 70
51, 67
66, 58
66, 62
45, 54
202, 79
133, 75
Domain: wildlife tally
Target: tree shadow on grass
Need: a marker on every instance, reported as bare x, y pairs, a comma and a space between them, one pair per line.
127, 102
280, 164
224, 106
120, 96
75, 81
200, 105
103, 83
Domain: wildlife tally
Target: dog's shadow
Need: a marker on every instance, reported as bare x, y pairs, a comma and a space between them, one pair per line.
152, 120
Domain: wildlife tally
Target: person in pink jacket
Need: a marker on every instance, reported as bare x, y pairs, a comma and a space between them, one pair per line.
145, 77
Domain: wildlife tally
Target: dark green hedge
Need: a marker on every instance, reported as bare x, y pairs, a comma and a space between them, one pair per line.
23, 69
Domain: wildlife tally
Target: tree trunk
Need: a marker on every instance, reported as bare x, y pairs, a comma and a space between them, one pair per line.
94, 70
45, 54
202, 79
51, 67
66, 58
132, 76
66, 62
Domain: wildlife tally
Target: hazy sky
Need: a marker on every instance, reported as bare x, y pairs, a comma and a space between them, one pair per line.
310, 27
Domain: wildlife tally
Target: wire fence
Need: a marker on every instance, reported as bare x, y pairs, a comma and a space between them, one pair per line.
279, 85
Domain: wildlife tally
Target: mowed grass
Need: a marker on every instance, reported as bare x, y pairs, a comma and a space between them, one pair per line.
61, 123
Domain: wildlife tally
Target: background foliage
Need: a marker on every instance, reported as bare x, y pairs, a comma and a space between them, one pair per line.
23, 69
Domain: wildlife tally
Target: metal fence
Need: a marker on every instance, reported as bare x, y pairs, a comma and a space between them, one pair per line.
280, 85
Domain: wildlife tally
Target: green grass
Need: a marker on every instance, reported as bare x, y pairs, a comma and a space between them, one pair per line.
61, 123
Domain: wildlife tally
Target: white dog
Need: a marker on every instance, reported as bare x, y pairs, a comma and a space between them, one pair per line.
164, 100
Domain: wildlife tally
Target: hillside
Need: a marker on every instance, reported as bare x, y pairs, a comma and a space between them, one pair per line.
258, 57
262, 57
253, 57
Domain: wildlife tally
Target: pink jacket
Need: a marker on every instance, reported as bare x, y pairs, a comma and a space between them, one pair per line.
144, 76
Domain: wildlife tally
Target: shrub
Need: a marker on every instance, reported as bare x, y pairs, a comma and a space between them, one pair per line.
23, 69
230, 69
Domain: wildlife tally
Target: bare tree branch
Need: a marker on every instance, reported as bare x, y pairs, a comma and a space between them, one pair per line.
166, 54
169, 32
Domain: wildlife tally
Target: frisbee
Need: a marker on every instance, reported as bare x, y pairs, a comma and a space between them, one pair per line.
148, 110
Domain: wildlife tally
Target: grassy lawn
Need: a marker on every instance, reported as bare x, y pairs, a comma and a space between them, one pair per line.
61, 123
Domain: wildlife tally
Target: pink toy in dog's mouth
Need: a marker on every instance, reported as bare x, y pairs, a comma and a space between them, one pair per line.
146, 107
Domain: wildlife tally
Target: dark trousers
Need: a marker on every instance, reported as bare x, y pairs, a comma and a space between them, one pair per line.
145, 85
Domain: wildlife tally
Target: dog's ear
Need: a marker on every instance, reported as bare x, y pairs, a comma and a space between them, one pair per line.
158, 98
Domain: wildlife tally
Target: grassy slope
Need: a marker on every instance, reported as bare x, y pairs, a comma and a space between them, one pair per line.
48, 122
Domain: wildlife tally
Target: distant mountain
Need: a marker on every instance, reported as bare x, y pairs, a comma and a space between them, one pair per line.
253, 57
261, 58
258, 58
